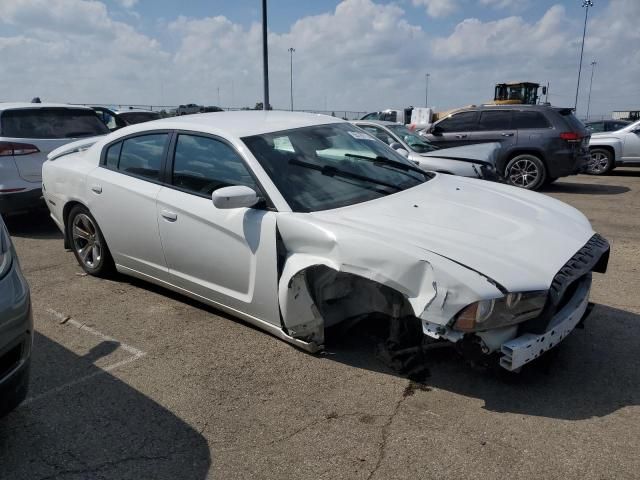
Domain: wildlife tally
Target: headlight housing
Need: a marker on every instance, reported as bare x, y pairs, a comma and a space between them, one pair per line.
511, 309
6, 255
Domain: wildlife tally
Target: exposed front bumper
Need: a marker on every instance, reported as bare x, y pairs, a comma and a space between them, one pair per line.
526, 348
21, 201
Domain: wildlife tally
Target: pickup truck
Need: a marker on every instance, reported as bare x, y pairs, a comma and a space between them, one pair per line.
614, 149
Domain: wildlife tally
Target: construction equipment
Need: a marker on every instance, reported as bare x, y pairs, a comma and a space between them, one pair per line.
516, 93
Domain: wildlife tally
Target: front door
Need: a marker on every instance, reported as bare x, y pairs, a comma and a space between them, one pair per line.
631, 148
454, 130
227, 256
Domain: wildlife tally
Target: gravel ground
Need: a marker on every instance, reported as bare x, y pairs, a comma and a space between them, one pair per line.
132, 381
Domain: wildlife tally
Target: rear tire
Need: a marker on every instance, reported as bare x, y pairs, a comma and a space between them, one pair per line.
526, 171
88, 243
600, 161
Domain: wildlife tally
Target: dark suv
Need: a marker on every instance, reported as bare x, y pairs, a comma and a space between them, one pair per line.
540, 143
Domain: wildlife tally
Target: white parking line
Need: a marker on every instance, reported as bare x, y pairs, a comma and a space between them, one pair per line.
135, 355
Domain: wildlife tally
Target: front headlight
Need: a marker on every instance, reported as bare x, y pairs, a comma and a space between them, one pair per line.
501, 312
6, 256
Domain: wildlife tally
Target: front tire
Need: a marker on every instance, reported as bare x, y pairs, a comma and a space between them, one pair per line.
600, 162
526, 171
88, 243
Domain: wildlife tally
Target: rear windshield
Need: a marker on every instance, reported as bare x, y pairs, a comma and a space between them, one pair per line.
572, 121
139, 117
51, 123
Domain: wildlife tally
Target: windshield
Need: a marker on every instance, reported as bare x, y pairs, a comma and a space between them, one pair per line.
330, 166
139, 117
417, 144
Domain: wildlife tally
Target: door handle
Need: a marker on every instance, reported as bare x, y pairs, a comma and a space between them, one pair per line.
507, 134
170, 216
461, 136
96, 189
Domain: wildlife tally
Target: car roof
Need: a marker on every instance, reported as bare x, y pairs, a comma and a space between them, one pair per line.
28, 105
377, 122
239, 123
135, 110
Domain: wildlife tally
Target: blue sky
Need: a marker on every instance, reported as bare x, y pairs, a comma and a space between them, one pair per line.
350, 54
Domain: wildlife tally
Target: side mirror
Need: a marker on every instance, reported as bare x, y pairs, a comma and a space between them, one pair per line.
395, 145
236, 196
435, 130
403, 152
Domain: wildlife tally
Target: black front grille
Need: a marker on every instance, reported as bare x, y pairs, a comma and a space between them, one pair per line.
592, 257
10, 360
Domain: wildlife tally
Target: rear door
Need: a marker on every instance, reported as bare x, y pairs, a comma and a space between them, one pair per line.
122, 194
46, 128
495, 126
454, 130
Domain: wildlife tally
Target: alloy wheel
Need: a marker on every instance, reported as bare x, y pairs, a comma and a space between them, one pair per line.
524, 173
86, 241
599, 163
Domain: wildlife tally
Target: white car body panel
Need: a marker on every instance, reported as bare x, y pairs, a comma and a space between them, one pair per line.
441, 245
625, 143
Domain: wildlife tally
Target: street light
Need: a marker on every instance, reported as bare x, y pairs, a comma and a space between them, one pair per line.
585, 4
426, 93
291, 50
593, 66
265, 56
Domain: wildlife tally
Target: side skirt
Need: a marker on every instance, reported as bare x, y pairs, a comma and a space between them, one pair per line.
274, 330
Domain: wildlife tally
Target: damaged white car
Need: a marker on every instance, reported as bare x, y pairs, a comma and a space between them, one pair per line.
298, 222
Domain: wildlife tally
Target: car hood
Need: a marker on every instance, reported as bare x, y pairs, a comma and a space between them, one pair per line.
484, 152
516, 238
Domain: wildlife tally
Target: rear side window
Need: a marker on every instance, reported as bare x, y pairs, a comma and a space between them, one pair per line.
525, 120
202, 165
51, 123
139, 156
113, 155
495, 120
459, 122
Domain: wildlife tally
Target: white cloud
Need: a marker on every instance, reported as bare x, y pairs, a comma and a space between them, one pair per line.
505, 4
128, 3
364, 55
438, 8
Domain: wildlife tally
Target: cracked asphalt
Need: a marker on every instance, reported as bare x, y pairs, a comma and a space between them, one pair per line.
130, 381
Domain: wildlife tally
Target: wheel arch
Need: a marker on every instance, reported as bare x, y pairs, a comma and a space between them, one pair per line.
66, 210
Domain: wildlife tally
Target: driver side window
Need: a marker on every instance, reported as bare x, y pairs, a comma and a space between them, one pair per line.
202, 165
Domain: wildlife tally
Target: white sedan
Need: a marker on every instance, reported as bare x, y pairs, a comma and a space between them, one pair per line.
297, 222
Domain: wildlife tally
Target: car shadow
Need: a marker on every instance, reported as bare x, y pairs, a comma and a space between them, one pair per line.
592, 374
99, 427
619, 172
33, 224
585, 188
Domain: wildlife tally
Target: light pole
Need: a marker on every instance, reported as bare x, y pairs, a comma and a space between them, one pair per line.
593, 67
426, 92
265, 57
291, 50
585, 4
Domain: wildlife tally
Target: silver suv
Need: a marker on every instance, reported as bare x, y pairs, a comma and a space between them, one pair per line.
28, 132
540, 143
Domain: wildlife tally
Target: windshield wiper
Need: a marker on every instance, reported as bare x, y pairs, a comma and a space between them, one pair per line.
330, 171
382, 161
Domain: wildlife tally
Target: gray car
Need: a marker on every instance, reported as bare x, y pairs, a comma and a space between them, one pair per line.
540, 143
475, 161
16, 327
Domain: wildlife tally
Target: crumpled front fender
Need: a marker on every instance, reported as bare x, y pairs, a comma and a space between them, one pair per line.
434, 287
